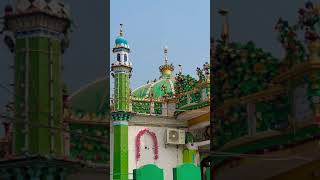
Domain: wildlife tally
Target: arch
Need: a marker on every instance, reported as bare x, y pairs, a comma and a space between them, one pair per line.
125, 58
118, 57
155, 143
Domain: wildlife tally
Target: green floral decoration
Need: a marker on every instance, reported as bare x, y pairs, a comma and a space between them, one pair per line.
242, 69
89, 149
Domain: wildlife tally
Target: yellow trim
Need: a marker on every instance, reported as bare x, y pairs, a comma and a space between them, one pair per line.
199, 119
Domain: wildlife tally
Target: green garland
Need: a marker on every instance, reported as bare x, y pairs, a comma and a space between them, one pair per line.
272, 114
87, 149
231, 124
242, 69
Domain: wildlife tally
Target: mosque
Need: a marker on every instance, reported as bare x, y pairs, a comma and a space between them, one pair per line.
51, 133
164, 122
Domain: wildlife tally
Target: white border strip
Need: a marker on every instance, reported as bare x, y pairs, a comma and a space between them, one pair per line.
118, 123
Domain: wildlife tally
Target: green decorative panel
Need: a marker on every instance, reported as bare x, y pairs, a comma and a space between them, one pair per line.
148, 172
158, 108
183, 100
242, 69
185, 83
232, 124
121, 116
195, 97
120, 159
32, 76
272, 114
141, 107
122, 93
187, 171
90, 149
19, 93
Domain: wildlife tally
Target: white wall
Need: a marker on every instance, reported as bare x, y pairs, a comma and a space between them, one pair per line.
169, 156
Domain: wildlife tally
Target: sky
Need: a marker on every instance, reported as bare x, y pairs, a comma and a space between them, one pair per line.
182, 25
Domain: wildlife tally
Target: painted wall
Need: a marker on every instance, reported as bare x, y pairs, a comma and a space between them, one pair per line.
169, 156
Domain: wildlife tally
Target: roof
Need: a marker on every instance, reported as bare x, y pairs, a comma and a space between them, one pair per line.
91, 98
155, 88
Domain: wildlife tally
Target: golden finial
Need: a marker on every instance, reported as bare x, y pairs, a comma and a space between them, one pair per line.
225, 30
166, 69
121, 30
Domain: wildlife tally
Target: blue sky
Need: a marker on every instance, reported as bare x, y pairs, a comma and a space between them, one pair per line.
182, 25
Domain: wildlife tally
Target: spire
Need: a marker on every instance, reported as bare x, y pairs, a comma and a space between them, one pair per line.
166, 54
180, 68
166, 69
225, 30
121, 30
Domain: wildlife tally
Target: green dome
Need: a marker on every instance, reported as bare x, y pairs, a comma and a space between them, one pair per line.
91, 98
155, 88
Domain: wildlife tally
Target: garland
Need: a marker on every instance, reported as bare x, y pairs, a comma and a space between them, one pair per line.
155, 143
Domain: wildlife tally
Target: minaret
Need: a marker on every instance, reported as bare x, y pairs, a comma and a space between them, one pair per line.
166, 69
121, 71
39, 34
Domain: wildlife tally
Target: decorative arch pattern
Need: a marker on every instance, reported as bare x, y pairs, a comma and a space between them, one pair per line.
155, 143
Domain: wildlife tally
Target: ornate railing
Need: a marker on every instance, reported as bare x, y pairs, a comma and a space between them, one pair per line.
195, 96
232, 124
157, 108
146, 106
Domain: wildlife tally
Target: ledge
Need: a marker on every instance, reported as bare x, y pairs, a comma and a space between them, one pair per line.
157, 121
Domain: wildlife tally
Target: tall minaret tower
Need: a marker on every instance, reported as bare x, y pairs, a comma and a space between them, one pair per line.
36, 32
39, 37
121, 71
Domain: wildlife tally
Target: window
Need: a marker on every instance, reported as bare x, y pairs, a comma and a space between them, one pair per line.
125, 58
118, 57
